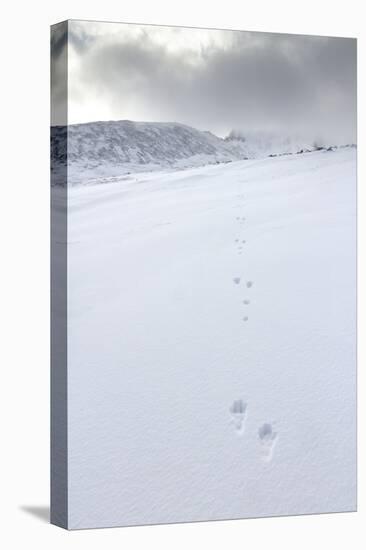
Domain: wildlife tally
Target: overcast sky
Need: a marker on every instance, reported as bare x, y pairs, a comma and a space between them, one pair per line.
212, 80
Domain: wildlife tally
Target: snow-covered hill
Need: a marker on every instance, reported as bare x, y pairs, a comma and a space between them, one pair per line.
107, 149
211, 342
100, 151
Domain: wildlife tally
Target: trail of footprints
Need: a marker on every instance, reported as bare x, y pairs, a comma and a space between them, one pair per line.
266, 435
240, 243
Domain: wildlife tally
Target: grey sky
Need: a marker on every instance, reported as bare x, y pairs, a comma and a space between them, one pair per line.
213, 80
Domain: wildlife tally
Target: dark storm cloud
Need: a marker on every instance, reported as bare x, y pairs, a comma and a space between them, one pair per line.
80, 39
251, 81
59, 41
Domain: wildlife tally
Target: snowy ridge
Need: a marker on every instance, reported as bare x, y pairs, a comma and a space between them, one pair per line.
99, 151
115, 148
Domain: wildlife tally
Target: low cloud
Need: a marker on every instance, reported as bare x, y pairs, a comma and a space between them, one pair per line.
233, 79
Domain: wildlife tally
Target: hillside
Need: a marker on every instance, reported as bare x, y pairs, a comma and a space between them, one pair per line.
107, 149
101, 151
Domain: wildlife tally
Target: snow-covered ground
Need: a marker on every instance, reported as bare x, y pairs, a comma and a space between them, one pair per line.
211, 343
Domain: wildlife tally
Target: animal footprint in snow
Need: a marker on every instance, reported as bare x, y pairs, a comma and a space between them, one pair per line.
245, 318
249, 284
236, 280
267, 439
246, 302
238, 412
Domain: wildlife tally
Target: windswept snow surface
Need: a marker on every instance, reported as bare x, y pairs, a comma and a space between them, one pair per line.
211, 344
